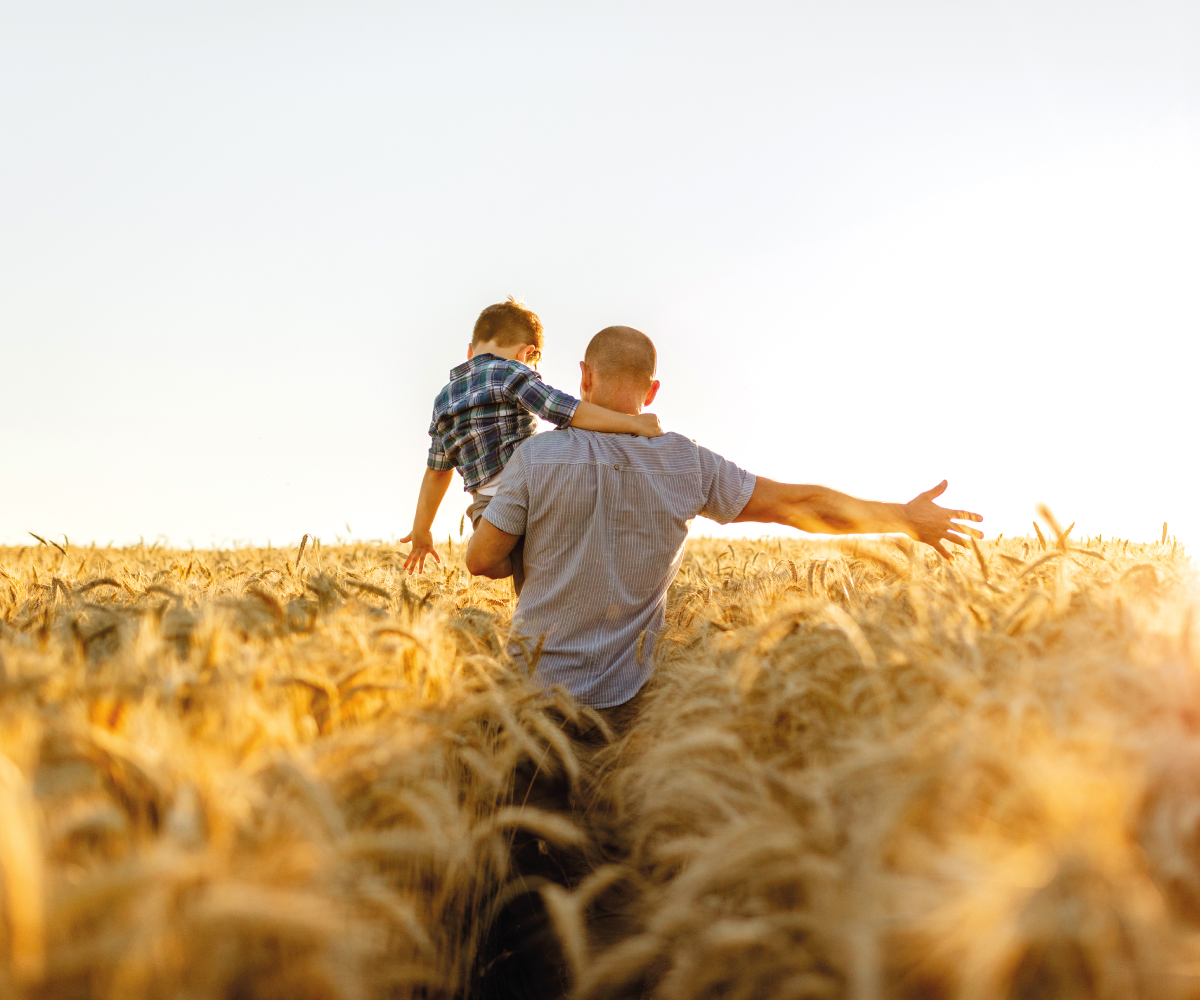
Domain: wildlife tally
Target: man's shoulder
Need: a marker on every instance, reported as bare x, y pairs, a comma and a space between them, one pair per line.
566, 436
569, 444
547, 444
680, 440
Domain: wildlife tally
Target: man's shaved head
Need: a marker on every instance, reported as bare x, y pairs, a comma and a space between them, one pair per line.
623, 354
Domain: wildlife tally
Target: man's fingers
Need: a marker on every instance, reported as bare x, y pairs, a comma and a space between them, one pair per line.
438, 559
406, 538
965, 515
940, 549
973, 532
956, 539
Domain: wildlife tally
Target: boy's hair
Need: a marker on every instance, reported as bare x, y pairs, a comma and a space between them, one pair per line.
508, 323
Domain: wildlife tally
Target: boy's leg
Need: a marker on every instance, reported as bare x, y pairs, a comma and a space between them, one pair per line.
475, 513
479, 502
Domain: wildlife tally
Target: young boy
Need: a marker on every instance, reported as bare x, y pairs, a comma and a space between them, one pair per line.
490, 406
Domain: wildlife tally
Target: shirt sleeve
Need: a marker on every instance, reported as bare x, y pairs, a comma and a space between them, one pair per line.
438, 460
727, 487
526, 387
509, 509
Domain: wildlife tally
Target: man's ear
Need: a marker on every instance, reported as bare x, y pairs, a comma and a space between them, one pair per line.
470, 350
585, 379
652, 392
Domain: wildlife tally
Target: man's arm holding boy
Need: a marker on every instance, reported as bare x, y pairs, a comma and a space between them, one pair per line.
502, 524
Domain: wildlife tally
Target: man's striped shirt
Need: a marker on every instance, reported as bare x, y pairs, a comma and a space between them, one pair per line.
605, 517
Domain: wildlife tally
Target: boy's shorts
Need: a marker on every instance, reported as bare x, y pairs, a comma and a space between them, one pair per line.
475, 512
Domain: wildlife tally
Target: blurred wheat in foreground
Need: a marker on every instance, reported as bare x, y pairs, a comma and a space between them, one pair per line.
861, 773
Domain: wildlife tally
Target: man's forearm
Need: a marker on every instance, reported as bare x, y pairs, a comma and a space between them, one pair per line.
820, 510
842, 514
828, 512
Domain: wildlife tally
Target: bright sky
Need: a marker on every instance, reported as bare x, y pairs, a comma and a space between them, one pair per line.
877, 244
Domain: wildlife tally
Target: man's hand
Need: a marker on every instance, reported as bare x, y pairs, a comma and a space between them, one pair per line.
932, 524
648, 425
422, 548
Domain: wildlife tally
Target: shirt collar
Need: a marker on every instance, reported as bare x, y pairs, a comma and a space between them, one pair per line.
467, 366
459, 370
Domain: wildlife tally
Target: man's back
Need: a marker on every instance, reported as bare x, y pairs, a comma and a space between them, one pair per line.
605, 517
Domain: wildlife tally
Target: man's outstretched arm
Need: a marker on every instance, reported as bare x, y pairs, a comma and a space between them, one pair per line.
488, 551
824, 511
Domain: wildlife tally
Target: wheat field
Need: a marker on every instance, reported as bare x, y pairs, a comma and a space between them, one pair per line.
860, 772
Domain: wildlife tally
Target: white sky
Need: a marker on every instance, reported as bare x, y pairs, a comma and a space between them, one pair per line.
877, 244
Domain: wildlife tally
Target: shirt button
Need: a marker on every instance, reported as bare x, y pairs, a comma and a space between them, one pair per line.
617, 467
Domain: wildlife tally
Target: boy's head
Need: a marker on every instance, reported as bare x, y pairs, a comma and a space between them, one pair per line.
508, 324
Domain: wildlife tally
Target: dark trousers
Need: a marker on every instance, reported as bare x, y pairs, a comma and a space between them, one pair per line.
475, 512
620, 718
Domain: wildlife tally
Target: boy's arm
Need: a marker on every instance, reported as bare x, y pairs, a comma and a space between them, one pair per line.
590, 417
433, 489
527, 388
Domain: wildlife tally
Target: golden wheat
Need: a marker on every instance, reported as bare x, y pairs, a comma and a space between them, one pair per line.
928, 779
860, 772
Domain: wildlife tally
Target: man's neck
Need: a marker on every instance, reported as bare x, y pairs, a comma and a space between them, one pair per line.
618, 402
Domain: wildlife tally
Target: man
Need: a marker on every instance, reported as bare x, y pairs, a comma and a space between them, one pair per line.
605, 517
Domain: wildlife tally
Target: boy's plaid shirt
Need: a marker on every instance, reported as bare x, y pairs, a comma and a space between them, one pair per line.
486, 410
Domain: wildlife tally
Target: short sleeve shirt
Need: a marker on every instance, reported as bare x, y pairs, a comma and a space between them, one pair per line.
605, 518
489, 406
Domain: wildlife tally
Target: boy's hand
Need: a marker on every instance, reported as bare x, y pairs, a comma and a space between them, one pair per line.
422, 548
648, 425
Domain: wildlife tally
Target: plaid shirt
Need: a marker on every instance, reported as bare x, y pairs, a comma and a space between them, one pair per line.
486, 410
